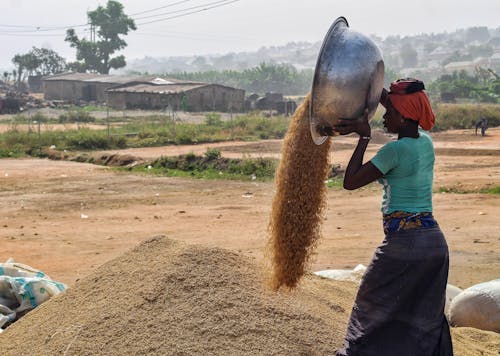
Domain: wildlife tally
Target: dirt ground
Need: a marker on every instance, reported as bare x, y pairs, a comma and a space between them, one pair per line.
68, 218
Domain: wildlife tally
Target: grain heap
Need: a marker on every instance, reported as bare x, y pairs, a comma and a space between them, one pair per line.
168, 298
299, 202
164, 297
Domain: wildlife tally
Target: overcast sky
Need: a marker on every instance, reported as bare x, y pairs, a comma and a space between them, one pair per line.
232, 25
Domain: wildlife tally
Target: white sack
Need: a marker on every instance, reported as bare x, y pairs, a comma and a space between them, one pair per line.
477, 307
451, 292
353, 275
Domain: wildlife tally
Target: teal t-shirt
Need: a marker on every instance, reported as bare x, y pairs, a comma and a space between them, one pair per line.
408, 168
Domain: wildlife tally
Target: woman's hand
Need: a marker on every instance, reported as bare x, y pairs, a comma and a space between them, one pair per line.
359, 126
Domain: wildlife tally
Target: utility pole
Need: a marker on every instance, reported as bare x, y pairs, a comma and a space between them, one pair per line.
92, 33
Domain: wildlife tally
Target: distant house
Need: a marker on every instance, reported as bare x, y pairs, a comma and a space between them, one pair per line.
439, 54
186, 96
468, 66
76, 87
146, 92
495, 59
271, 101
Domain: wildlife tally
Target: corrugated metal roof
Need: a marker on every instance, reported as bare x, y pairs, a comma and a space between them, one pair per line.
158, 89
119, 79
112, 79
71, 76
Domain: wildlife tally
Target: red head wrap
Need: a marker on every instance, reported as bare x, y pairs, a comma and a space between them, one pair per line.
409, 99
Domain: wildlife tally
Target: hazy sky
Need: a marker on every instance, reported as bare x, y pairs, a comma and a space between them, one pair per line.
237, 25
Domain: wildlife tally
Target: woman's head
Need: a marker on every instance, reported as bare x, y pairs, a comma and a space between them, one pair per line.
407, 100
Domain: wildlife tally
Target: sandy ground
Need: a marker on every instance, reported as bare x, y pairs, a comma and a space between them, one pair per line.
68, 218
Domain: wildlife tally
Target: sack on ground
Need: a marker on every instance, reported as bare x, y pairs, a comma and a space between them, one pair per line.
23, 288
477, 307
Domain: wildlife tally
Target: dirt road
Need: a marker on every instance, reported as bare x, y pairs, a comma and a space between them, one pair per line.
67, 218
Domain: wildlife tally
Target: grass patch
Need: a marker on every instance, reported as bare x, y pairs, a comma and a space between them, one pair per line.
211, 166
155, 130
335, 182
461, 190
491, 190
454, 190
463, 116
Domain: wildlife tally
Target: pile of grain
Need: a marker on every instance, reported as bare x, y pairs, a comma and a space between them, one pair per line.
164, 297
298, 205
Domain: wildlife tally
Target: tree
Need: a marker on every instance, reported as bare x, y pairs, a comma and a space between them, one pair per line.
25, 64
110, 22
49, 62
41, 61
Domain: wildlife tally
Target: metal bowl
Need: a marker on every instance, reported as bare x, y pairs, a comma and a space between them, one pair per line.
349, 77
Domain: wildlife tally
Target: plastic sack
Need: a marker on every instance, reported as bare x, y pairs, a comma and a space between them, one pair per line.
477, 307
353, 275
23, 288
451, 293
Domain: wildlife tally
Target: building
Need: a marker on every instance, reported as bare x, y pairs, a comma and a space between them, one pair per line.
467, 66
76, 87
272, 102
145, 92
185, 96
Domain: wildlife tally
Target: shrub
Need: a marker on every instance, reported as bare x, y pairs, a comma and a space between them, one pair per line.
212, 154
88, 140
213, 119
463, 116
76, 116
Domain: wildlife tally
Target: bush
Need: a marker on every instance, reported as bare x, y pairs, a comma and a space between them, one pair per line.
213, 119
212, 154
212, 165
76, 116
87, 141
463, 116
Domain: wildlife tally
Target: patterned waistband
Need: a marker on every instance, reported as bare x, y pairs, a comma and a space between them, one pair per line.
402, 220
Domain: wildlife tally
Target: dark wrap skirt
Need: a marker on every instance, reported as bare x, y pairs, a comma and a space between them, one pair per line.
399, 308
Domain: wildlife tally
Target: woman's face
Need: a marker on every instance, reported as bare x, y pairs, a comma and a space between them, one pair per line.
392, 118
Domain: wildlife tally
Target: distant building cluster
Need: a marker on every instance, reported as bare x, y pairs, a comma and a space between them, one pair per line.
428, 56
271, 102
154, 93
142, 92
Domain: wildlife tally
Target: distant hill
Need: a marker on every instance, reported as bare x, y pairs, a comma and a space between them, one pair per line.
425, 55
301, 55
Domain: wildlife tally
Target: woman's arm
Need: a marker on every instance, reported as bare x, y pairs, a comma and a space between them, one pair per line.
358, 174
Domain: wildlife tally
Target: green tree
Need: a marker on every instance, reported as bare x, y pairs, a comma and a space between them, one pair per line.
40, 61
483, 86
96, 55
49, 62
25, 64
264, 78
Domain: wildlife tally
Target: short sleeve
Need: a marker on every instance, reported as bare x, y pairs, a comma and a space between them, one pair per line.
386, 158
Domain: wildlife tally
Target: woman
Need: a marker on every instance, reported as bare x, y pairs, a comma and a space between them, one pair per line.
399, 308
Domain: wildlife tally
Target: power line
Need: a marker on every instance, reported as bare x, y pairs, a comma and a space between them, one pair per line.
29, 30
189, 13
182, 10
39, 28
159, 8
